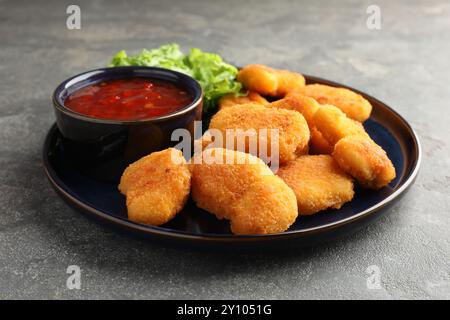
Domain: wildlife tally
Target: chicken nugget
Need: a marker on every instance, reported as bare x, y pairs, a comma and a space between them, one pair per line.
236, 186
289, 81
352, 104
156, 187
318, 144
334, 125
307, 106
230, 99
267, 206
269, 81
318, 183
366, 161
220, 176
249, 121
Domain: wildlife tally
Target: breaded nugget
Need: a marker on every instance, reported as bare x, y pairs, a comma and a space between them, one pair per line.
335, 125
307, 106
269, 81
318, 144
259, 78
156, 186
318, 183
351, 103
268, 206
230, 99
212, 187
366, 161
293, 130
235, 186
289, 81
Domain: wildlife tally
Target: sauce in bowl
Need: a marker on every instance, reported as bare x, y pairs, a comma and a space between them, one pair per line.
128, 99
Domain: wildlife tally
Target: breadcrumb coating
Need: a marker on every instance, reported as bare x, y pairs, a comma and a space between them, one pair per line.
318, 183
156, 187
293, 131
241, 188
230, 100
352, 104
334, 125
366, 161
268, 81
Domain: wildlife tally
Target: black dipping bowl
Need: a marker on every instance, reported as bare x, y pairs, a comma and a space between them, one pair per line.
103, 148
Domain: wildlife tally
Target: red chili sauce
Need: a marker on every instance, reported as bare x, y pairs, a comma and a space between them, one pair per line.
128, 99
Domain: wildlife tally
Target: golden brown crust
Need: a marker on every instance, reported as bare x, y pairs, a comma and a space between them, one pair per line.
269, 81
318, 183
307, 106
366, 161
268, 206
318, 144
351, 103
335, 125
230, 100
156, 187
259, 78
230, 189
296, 101
289, 81
216, 185
292, 126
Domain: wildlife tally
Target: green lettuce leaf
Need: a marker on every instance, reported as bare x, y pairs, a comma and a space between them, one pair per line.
168, 56
216, 77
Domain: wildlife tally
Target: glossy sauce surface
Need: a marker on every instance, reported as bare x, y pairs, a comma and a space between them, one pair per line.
128, 99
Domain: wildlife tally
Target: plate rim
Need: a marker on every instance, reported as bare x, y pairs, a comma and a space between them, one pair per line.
62, 190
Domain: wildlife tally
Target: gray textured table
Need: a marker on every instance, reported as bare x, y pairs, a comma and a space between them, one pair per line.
406, 64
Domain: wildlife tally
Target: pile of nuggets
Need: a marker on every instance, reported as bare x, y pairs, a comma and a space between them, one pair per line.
323, 151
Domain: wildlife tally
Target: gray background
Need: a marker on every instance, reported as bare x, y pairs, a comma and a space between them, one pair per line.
405, 64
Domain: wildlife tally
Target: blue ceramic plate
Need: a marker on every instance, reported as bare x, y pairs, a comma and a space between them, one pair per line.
195, 226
